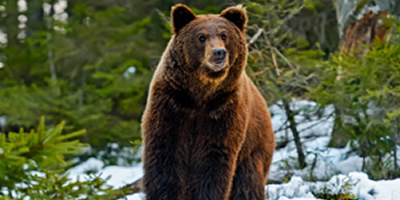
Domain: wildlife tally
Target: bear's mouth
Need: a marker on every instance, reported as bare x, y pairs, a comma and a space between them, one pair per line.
218, 65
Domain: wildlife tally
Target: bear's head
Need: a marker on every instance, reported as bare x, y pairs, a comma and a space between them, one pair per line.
212, 45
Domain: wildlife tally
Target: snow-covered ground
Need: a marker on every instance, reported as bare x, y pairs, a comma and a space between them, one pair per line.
338, 167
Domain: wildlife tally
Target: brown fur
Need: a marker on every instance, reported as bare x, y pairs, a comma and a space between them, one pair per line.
206, 129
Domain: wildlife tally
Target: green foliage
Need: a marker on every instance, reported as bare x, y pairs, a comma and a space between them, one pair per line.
293, 58
343, 194
366, 94
102, 58
51, 185
283, 64
93, 70
32, 165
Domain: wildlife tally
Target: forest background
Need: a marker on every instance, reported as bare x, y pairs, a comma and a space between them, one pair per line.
87, 65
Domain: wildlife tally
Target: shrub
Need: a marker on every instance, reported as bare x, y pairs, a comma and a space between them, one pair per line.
33, 164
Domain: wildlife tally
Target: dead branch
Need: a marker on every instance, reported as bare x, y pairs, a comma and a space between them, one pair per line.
255, 36
129, 189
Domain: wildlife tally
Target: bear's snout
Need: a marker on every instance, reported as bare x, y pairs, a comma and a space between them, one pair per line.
219, 53
217, 59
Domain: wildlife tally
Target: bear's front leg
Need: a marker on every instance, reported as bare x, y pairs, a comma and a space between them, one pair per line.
214, 157
162, 160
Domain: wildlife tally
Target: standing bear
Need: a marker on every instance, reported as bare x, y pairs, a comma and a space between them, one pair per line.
207, 131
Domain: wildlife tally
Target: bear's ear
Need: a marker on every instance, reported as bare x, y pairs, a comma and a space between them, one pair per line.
237, 15
180, 16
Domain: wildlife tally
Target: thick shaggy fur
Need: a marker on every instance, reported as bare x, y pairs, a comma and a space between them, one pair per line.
206, 129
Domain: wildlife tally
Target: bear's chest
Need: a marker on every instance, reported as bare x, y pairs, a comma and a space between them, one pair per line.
198, 107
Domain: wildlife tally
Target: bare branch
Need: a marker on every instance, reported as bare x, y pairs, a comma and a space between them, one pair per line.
255, 36
128, 189
273, 57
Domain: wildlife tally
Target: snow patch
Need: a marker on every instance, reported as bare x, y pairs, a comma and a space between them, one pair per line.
336, 165
91, 165
356, 183
118, 176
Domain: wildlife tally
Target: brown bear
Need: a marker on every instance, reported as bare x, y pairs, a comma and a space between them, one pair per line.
207, 132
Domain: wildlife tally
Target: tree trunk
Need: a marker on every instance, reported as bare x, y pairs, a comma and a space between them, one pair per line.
11, 23
296, 135
339, 136
50, 51
10, 28
395, 132
36, 21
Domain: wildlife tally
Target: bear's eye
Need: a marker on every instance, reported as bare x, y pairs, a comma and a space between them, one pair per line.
223, 37
202, 38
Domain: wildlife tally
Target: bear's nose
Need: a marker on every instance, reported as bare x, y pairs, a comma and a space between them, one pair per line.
219, 53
